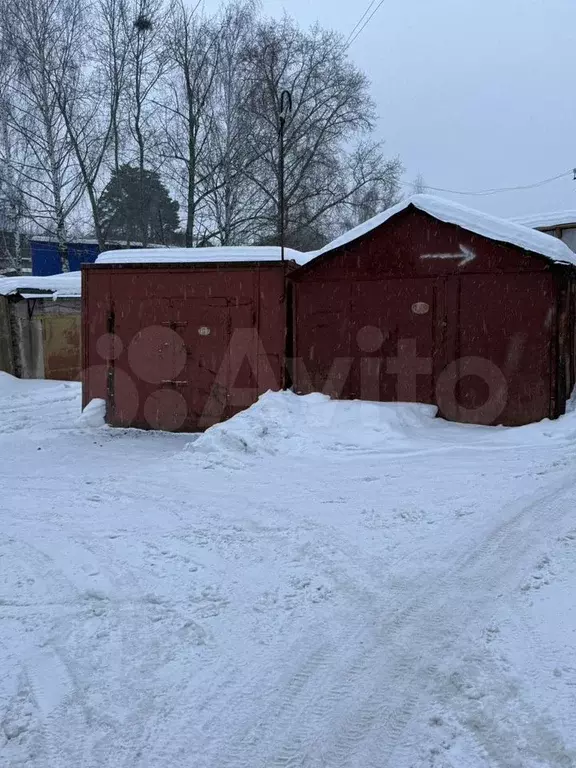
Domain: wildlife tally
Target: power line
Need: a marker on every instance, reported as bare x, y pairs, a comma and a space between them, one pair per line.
355, 33
494, 191
360, 20
363, 27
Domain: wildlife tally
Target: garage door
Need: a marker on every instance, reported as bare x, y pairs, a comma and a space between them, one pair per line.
176, 371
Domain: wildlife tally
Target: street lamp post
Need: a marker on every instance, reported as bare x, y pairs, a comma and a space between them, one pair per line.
285, 109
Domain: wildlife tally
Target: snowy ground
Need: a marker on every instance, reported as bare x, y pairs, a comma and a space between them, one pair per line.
311, 584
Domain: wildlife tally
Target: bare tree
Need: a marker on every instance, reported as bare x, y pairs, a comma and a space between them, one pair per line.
112, 46
143, 22
418, 185
88, 98
235, 201
34, 30
12, 203
375, 181
331, 108
192, 49
90, 86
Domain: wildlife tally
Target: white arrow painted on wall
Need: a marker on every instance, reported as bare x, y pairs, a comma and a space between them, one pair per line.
466, 256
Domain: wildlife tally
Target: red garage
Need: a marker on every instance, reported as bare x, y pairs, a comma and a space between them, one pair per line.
433, 302
183, 338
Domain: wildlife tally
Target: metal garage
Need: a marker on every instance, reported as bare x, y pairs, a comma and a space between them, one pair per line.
181, 339
436, 303
40, 321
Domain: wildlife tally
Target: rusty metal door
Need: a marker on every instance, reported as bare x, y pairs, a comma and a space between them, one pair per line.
371, 340
503, 333
177, 372
394, 331
207, 338
61, 342
322, 362
222, 353
148, 376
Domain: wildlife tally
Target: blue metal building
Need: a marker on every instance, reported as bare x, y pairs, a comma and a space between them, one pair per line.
46, 259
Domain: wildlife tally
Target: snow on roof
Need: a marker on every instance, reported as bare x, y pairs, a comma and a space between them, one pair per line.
89, 241
551, 219
65, 286
72, 241
201, 255
480, 223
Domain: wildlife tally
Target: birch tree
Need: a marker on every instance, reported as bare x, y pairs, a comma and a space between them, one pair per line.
90, 86
112, 49
235, 201
12, 204
45, 161
88, 97
13, 207
192, 47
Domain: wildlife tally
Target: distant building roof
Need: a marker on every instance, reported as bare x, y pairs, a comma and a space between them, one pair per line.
64, 286
548, 220
89, 241
72, 241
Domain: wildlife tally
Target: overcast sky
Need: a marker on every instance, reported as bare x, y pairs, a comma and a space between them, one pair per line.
473, 94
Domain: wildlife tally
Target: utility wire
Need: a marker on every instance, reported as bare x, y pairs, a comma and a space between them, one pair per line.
483, 192
360, 20
355, 33
363, 27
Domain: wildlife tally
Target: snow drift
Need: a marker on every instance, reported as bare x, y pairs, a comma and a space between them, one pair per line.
282, 422
94, 414
8, 384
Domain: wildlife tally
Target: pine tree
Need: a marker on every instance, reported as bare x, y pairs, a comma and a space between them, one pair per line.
137, 207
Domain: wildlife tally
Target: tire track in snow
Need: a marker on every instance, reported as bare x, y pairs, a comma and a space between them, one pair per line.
401, 661
55, 694
475, 695
336, 702
135, 686
41, 568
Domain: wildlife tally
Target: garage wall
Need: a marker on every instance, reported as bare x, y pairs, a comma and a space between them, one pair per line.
6, 356
182, 347
46, 338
